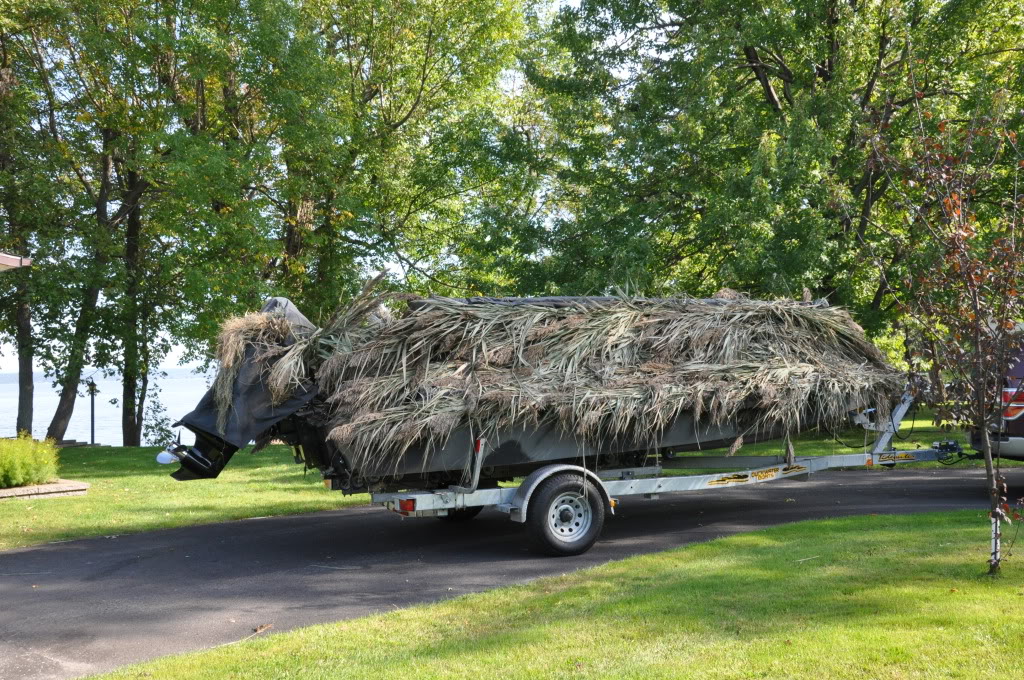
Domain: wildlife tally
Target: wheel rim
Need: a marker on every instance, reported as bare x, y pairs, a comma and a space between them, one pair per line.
569, 517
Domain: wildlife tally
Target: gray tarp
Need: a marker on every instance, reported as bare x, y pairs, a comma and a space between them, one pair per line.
252, 411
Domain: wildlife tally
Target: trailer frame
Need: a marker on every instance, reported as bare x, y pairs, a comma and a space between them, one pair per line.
569, 506
646, 481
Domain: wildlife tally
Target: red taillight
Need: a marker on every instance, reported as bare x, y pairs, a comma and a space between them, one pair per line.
407, 504
1013, 402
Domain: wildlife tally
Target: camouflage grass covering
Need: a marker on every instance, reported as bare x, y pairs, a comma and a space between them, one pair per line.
600, 370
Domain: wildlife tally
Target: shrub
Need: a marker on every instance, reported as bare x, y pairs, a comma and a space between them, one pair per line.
24, 461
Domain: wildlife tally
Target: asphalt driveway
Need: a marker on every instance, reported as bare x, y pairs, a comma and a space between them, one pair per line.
80, 607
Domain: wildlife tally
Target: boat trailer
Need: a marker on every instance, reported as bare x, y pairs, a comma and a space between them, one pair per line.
564, 506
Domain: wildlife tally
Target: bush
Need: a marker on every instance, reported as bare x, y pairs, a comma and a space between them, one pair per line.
24, 461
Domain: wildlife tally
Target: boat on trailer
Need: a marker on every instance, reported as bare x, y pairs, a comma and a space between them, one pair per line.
560, 485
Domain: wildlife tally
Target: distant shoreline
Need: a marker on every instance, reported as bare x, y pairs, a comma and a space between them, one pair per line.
177, 393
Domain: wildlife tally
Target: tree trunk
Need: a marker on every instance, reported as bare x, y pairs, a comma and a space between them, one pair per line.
26, 351
995, 511
11, 201
90, 295
299, 223
76, 361
938, 386
133, 400
134, 388
131, 423
140, 407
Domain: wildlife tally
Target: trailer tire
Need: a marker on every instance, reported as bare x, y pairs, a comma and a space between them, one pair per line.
462, 514
565, 515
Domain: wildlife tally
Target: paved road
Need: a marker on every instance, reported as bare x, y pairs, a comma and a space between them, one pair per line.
75, 608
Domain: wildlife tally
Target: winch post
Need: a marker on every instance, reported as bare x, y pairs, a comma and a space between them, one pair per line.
888, 428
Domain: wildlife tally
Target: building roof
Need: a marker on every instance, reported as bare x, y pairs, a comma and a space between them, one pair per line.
13, 261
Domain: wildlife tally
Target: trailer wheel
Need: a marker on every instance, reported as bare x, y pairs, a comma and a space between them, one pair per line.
565, 515
462, 514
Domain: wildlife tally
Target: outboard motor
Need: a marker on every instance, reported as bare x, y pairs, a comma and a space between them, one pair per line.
203, 460
252, 410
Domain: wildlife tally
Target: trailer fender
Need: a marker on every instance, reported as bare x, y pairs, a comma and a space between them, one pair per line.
517, 511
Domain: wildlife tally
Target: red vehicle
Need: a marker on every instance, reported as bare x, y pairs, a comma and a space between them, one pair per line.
1010, 439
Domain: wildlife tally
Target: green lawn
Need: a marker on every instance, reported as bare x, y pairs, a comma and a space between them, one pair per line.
131, 492
895, 597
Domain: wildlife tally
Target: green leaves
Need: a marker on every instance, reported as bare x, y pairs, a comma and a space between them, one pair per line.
488, 146
708, 144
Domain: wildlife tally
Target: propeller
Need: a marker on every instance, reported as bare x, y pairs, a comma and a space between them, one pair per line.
172, 453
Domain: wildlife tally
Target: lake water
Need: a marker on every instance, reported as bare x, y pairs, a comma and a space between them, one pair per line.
179, 392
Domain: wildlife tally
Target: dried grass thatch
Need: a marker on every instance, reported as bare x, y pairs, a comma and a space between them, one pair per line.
620, 369
266, 333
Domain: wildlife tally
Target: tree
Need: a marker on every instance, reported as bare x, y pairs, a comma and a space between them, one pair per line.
710, 143
14, 206
959, 185
160, 210
382, 115
33, 198
207, 154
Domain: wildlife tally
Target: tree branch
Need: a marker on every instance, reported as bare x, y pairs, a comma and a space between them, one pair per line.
758, 67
